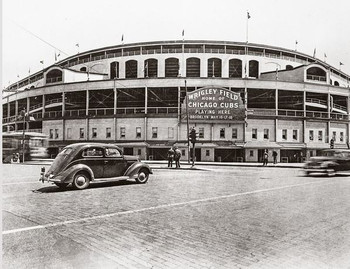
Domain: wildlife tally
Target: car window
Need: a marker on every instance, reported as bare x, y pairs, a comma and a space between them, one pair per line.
112, 152
93, 152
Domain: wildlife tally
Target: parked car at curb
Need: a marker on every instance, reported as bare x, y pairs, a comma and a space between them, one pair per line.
330, 162
81, 163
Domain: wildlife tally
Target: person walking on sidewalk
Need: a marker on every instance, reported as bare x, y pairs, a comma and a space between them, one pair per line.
274, 155
177, 157
265, 158
170, 157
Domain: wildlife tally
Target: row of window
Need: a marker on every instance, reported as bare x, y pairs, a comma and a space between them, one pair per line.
319, 137
54, 134
172, 68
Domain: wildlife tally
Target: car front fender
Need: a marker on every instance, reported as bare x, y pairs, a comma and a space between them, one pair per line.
135, 168
68, 174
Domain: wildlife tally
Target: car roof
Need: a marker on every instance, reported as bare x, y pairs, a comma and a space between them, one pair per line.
91, 144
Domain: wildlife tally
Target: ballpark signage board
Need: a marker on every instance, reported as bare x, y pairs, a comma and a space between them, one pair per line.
214, 104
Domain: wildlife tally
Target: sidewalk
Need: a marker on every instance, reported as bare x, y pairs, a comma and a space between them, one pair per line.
159, 164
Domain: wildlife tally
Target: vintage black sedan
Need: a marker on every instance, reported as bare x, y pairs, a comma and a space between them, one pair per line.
82, 163
330, 162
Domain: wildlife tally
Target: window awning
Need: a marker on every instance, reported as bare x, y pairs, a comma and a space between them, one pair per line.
262, 144
286, 145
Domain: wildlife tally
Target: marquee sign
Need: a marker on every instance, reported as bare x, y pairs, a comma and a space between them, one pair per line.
214, 104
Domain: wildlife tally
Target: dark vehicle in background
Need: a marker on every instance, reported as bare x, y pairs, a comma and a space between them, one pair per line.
35, 146
82, 163
330, 162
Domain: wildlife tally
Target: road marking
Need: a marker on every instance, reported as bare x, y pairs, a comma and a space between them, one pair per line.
164, 206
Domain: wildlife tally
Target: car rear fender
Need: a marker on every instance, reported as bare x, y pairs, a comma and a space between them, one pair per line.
73, 170
135, 168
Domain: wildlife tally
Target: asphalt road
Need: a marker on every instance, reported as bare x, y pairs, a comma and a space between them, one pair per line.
212, 217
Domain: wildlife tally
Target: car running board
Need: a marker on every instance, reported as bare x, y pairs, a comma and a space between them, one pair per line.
113, 178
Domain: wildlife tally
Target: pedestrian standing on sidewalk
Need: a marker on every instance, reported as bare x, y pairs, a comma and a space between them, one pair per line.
170, 157
265, 158
177, 157
274, 154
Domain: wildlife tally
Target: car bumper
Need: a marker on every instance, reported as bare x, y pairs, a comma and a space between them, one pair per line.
50, 179
318, 170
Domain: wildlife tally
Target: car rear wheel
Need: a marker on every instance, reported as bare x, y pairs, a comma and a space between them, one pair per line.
142, 176
62, 185
81, 181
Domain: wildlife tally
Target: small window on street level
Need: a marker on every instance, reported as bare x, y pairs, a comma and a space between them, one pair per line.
183, 152
234, 133
81, 133
138, 132
122, 132
311, 135
201, 132
266, 133
295, 135
154, 132
284, 134
56, 134
207, 152
320, 135
341, 138
51, 134
334, 136
94, 133
251, 153
138, 151
254, 133
69, 133
108, 132
222, 132
170, 132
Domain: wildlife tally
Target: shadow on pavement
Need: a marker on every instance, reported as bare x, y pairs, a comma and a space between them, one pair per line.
93, 185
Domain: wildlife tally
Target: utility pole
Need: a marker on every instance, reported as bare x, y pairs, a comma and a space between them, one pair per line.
188, 124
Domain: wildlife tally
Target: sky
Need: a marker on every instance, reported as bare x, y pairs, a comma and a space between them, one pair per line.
36, 30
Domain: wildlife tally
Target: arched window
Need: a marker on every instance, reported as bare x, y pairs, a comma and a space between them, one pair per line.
193, 68
336, 83
235, 68
289, 67
114, 70
214, 67
53, 76
171, 67
316, 73
151, 68
131, 69
254, 69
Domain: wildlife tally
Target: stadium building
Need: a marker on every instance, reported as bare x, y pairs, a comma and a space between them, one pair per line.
241, 98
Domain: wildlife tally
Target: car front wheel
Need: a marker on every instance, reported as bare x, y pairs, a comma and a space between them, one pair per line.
142, 176
81, 181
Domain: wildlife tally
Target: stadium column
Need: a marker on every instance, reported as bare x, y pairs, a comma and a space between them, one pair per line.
348, 111
43, 104
145, 127
329, 116
87, 114
63, 113
178, 112
16, 112
115, 109
276, 106
28, 108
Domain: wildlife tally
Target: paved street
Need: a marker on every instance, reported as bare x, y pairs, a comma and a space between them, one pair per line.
210, 217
